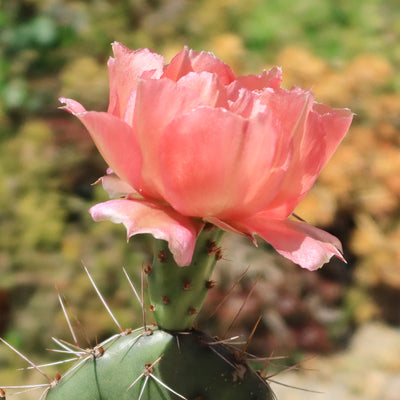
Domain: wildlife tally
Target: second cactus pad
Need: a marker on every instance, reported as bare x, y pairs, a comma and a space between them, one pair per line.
152, 364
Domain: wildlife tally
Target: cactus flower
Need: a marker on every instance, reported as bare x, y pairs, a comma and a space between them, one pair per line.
189, 143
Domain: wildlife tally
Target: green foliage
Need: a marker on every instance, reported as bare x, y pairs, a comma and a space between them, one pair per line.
332, 28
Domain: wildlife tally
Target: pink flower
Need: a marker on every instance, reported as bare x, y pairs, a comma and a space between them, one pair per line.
190, 142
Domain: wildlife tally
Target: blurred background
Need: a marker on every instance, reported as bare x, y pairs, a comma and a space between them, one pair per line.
348, 315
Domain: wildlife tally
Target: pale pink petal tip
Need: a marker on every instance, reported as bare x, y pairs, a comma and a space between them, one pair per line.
71, 106
116, 187
305, 245
145, 217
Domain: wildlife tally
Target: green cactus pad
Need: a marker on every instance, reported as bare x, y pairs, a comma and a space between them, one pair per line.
157, 365
176, 293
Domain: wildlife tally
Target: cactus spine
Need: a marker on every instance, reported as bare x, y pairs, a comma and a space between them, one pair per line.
169, 361
156, 365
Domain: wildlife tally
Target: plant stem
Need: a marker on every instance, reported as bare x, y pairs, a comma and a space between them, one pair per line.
177, 293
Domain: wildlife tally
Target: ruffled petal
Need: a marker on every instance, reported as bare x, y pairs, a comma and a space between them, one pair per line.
326, 126
216, 164
129, 66
179, 66
158, 102
290, 110
246, 104
114, 139
193, 61
244, 94
271, 78
301, 243
334, 122
207, 86
317, 134
206, 61
160, 221
198, 160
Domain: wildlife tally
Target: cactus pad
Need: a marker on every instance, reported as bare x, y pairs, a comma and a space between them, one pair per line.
152, 364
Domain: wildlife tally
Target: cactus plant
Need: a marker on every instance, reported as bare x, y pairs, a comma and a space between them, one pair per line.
177, 294
193, 151
171, 360
152, 364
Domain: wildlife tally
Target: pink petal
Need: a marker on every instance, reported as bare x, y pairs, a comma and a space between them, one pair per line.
225, 226
316, 135
192, 61
335, 123
246, 104
113, 105
217, 164
244, 93
161, 222
198, 160
115, 187
301, 243
72, 106
271, 79
291, 110
179, 66
205, 61
207, 87
129, 66
114, 139
157, 104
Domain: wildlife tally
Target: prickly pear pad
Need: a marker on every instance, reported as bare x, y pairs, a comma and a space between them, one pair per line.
155, 365
177, 293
